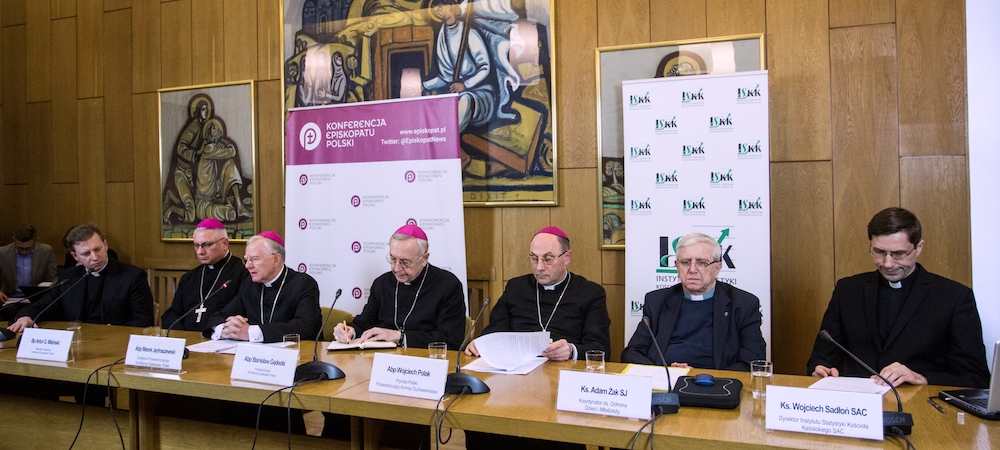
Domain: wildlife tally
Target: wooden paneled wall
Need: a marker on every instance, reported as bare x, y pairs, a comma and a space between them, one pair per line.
868, 110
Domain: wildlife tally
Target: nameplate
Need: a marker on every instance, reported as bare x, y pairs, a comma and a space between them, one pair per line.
44, 344
833, 413
155, 353
408, 376
608, 394
264, 364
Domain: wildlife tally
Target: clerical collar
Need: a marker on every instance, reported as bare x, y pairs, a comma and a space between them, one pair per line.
407, 283
268, 283
212, 266
899, 284
97, 272
706, 296
552, 287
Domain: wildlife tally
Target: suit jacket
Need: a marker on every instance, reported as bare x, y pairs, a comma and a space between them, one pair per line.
43, 266
297, 309
736, 337
936, 334
125, 300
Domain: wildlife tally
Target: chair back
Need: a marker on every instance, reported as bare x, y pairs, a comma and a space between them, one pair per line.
336, 316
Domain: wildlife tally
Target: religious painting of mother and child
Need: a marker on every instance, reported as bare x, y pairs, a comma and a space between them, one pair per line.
495, 54
207, 159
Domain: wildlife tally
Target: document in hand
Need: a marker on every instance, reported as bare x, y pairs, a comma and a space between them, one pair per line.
509, 351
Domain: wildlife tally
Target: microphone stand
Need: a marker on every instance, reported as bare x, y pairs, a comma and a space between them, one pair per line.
663, 402
459, 382
316, 369
46, 308
176, 321
6, 334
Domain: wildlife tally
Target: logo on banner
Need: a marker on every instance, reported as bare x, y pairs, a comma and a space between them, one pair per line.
432, 223
668, 258
411, 221
410, 176
355, 201
309, 136
750, 207
640, 154
689, 98
641, 207
638, 102
356, 247
719, 124
667, 180
749, 95
666, 126
370, 201
302, 268
356, 293
303, 224
303, 179
693, 152
749, 150
693, 207
721, 179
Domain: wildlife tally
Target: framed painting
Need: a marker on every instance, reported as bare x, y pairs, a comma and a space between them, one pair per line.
343, 51
727, 54
208, 161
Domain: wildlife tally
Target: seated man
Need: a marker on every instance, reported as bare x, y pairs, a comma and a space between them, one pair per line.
391, 313
573, 309
111, 292
24, 262
202, 288
273, 302
699, 322
911, 325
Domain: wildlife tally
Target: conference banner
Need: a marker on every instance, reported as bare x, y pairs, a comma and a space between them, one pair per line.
355, 173
696, 160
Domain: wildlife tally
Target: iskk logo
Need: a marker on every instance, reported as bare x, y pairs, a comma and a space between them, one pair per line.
691, 205
716, 122
664, 124
751, 205
744, 148
639, 205
745, 93
687, 97
668, 253
634, 100
636, 152
663, 178
720, 177
689, 150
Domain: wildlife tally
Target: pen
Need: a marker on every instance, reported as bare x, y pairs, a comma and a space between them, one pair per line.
935, 405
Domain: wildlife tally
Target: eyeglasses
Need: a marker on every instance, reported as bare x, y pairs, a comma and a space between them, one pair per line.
701, 263
404, 263
206, 245
897, 255
255, 259
548, 259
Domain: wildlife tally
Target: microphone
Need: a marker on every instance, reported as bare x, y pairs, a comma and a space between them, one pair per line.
70, 288
6, 334
316, 369
663, 402
459, 382
225, 284
899, 419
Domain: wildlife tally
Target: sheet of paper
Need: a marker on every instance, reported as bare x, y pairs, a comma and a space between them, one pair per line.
850, 384
356, 344
509, 350
657, 373
480, 365
221, 346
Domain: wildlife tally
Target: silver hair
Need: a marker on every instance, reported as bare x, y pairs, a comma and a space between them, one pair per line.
701, 238
270, 245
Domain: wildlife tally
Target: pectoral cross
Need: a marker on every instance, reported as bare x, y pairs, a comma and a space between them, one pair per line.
200, 310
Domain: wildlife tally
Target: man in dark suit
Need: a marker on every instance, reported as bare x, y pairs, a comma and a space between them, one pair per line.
25, 262
913, 325
274, 301
700, 322
112, 292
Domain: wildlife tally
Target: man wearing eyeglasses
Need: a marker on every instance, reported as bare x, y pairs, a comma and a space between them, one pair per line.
912, 325
570, 307
210, 286
414, 303
24, 262
700, 322
272, 302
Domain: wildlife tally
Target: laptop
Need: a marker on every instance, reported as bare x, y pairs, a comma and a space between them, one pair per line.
983, 403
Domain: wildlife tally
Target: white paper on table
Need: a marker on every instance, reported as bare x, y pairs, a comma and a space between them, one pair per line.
657, 373
850, 384
480, 365
224, 346
510, 350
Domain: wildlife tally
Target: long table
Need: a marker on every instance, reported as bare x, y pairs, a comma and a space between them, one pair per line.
519, 405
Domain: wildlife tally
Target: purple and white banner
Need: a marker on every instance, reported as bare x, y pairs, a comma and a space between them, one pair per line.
696, 160
355, 173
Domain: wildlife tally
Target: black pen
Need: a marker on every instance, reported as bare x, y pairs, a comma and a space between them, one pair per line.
935, 405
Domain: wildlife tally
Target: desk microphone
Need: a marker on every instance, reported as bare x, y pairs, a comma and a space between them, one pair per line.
459, 382
225, 284
316, 369
46, 308
663, 402
899, 419
6, 334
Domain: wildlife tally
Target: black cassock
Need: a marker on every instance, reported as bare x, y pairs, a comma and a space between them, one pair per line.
207, 279
290, 305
